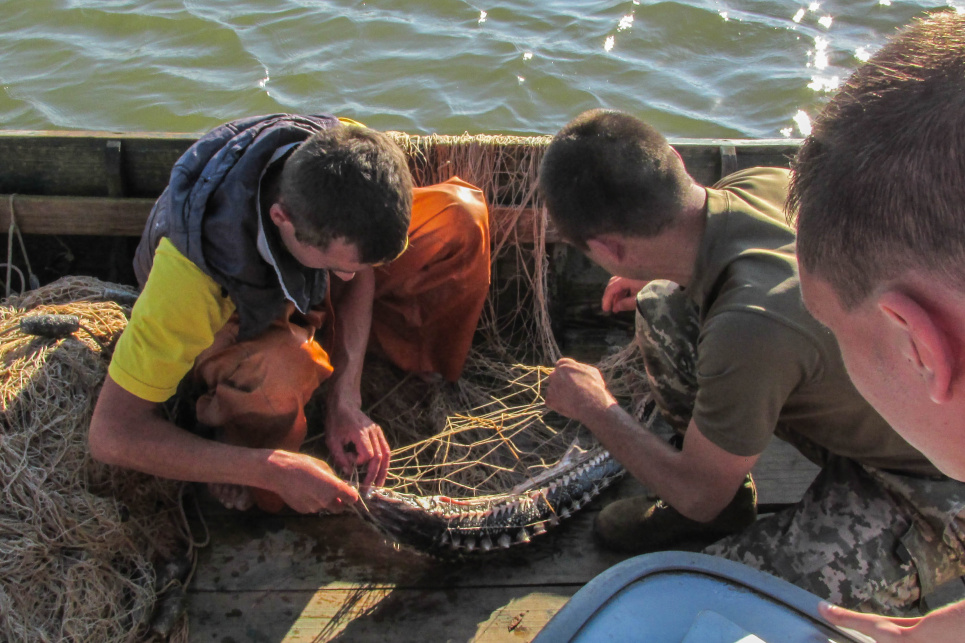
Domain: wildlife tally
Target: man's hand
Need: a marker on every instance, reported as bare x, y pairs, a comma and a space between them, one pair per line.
308, 485
621, 294
577, 391
944, 625
347, 425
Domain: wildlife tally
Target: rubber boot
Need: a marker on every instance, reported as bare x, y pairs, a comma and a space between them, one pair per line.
643, 524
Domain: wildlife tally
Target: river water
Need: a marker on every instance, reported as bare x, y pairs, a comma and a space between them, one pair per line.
698, 68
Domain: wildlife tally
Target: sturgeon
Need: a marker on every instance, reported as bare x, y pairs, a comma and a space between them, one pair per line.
440, 525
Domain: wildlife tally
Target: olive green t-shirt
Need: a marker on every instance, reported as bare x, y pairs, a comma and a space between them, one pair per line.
764, 365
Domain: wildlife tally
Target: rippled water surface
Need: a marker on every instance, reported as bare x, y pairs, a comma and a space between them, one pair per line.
701, 68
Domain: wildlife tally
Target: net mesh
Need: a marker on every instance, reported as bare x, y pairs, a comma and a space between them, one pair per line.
490, 431
83, 546
87, 551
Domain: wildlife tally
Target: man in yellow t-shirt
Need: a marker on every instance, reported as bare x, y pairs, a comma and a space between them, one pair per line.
260, 268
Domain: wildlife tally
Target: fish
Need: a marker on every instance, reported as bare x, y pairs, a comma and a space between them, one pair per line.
440, 525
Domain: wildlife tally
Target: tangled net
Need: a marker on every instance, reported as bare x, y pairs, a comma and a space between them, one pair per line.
86, 550
490, 432
94, 553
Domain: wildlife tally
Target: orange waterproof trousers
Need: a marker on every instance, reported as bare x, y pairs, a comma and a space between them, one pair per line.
428, 301
426, 307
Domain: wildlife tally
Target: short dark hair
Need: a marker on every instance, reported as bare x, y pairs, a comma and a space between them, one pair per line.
349, 182
609, 172
879, 185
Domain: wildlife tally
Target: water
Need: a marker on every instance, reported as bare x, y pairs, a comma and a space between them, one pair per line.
698, 68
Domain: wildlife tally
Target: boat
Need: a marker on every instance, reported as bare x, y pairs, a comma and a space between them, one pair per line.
687, 597
75, 203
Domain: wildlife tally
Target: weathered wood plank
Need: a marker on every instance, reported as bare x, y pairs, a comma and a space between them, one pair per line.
255, 551
782, 474
80, 163
97, 165
68, 163
295, 552
96, 216
487, 615
304, 578
105, 216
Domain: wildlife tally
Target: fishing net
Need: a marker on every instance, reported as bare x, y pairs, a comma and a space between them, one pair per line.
96, 553
477, 435
488, 441
87, 552
516, 322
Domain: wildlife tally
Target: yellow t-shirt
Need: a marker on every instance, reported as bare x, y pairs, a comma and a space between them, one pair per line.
173, 320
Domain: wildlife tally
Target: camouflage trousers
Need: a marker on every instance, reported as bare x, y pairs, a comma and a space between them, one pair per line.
861, 537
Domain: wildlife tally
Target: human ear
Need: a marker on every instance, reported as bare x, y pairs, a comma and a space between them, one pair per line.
923, 341
607, 248
278, 215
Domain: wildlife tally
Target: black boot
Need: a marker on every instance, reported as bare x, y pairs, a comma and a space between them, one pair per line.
645, 523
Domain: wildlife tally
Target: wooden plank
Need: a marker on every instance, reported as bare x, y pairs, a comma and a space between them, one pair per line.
487, 615
66, 163
782, 474
258, 552
704, 161
298, 578
73, 163
294, 552
96, 165
106, 216
101, 216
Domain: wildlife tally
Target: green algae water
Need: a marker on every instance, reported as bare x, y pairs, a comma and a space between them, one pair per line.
699, 68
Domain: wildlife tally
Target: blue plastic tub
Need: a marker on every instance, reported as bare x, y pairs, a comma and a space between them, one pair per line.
683, 597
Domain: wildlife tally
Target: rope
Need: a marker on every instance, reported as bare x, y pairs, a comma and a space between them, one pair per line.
13, 226
32, 281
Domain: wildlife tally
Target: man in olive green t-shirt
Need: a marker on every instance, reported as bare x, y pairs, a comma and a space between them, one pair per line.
733, 357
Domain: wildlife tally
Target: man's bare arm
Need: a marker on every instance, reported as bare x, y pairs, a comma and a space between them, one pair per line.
128, 431
944, 625
345, 422
698, 481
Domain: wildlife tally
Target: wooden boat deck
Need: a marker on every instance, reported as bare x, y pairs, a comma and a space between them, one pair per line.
81, 199
294, 578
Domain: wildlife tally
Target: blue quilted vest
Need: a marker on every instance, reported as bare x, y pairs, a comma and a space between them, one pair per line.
209, 211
